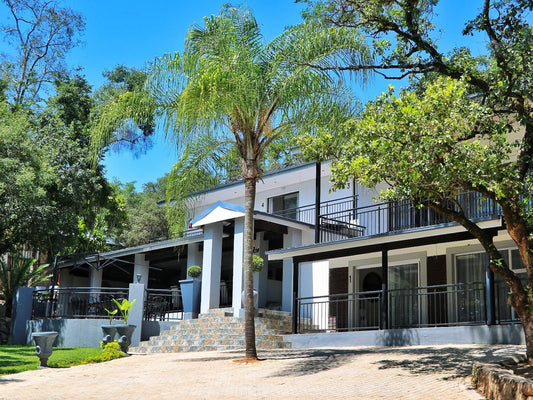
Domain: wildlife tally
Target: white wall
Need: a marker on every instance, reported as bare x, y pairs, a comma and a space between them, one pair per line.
313, 282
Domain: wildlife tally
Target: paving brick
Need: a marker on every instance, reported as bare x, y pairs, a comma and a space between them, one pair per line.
368, 373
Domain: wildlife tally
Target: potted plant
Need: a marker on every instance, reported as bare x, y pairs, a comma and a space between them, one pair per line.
109, 330
125, 331
191, 292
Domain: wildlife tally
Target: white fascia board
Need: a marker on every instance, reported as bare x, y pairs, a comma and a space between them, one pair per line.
217, 215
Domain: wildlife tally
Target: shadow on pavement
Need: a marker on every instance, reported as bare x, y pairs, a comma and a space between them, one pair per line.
455, 362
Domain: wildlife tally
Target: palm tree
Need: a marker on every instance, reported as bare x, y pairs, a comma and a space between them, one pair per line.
230, 90
18, 271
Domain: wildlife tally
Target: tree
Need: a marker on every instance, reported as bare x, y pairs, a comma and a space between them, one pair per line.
124, 94
229, 90
51, 197
429, 144
42, 33
23, 181
145, 218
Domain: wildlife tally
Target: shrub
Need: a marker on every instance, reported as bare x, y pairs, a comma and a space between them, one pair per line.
194, 271
258, 263
111, 352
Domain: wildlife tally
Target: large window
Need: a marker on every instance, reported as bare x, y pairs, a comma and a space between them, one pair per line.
404, 302
285, 205
471, 268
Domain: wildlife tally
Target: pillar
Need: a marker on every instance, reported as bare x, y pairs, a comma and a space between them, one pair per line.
384, 288
136, 292
142, 267
292, 238
95, 278
261, 278
212, 262
21, 314
238, 270
194, 256
95, 281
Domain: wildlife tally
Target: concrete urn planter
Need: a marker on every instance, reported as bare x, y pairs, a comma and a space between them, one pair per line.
44, 342
110, 332
124, 336
191, 295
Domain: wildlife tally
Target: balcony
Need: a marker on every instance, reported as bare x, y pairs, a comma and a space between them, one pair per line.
343, 219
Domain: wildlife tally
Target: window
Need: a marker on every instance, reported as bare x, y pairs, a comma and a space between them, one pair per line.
285, 205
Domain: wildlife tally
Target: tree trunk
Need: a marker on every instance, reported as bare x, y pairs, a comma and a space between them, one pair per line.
249, 309
527, 325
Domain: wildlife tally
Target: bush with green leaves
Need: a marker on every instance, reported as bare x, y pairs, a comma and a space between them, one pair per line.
111, 352
258, 263
194, 271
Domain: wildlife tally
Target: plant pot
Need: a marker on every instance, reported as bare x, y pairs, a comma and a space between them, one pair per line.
43, 348
110, 332
256, 298
191, 290
124, 336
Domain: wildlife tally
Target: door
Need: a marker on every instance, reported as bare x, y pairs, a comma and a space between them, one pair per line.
338, 306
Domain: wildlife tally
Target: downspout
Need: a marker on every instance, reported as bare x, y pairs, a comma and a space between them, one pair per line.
317, 201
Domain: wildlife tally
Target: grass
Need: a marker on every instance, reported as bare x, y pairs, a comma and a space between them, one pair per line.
14, 359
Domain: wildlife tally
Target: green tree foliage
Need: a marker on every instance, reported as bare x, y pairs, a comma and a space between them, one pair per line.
145, 218
125, 94
52, 199
41, 34
18, 271
468, 125
23, 181
230, 90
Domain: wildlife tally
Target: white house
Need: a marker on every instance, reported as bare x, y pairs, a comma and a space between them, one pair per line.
347, 264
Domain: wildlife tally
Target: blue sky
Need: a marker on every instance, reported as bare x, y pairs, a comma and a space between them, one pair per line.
136, 31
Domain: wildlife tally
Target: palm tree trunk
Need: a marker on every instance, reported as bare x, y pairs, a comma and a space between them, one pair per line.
249, 309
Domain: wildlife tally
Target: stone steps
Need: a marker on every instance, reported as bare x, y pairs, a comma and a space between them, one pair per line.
220, 330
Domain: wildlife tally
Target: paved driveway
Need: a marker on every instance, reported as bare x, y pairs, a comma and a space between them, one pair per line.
415, 372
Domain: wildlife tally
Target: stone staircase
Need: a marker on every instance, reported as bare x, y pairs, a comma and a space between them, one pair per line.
220, 330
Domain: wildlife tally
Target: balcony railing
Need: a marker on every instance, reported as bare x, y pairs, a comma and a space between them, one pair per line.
425, 306
343, 219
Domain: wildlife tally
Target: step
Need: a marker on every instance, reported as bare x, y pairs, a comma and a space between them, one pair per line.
220, 330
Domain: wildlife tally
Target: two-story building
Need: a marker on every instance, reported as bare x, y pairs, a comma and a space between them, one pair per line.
337, 261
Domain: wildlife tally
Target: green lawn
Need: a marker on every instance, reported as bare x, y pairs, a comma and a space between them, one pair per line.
15, 359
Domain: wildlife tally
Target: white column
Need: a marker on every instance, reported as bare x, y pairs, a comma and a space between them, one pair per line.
95, 278
212, 261
293, 238
238, 271
95, 281
141, 267
194, 256
261, 278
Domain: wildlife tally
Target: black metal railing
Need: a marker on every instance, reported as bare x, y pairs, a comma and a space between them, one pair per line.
163, 305
505, 314
339, 312
307, 213
303, 214
76, 302
397, 216
439, 305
